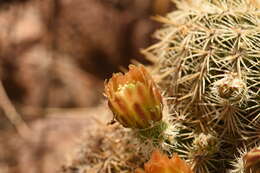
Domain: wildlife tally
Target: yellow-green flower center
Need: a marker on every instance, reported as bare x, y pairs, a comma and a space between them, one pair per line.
121, 89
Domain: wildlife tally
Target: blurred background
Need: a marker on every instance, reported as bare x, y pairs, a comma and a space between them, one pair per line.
54, 57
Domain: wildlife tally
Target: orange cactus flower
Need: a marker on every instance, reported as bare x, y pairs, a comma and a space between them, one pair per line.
160, 163
134, 98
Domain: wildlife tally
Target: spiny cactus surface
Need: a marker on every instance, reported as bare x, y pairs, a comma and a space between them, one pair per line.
208, 64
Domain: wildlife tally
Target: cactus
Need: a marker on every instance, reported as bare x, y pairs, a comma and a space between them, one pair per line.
207, 61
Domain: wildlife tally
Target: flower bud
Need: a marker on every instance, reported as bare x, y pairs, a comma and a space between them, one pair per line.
160, 163
252, 161
134, 98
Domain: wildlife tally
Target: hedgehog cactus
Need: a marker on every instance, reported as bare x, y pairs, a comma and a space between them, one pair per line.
208, 63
